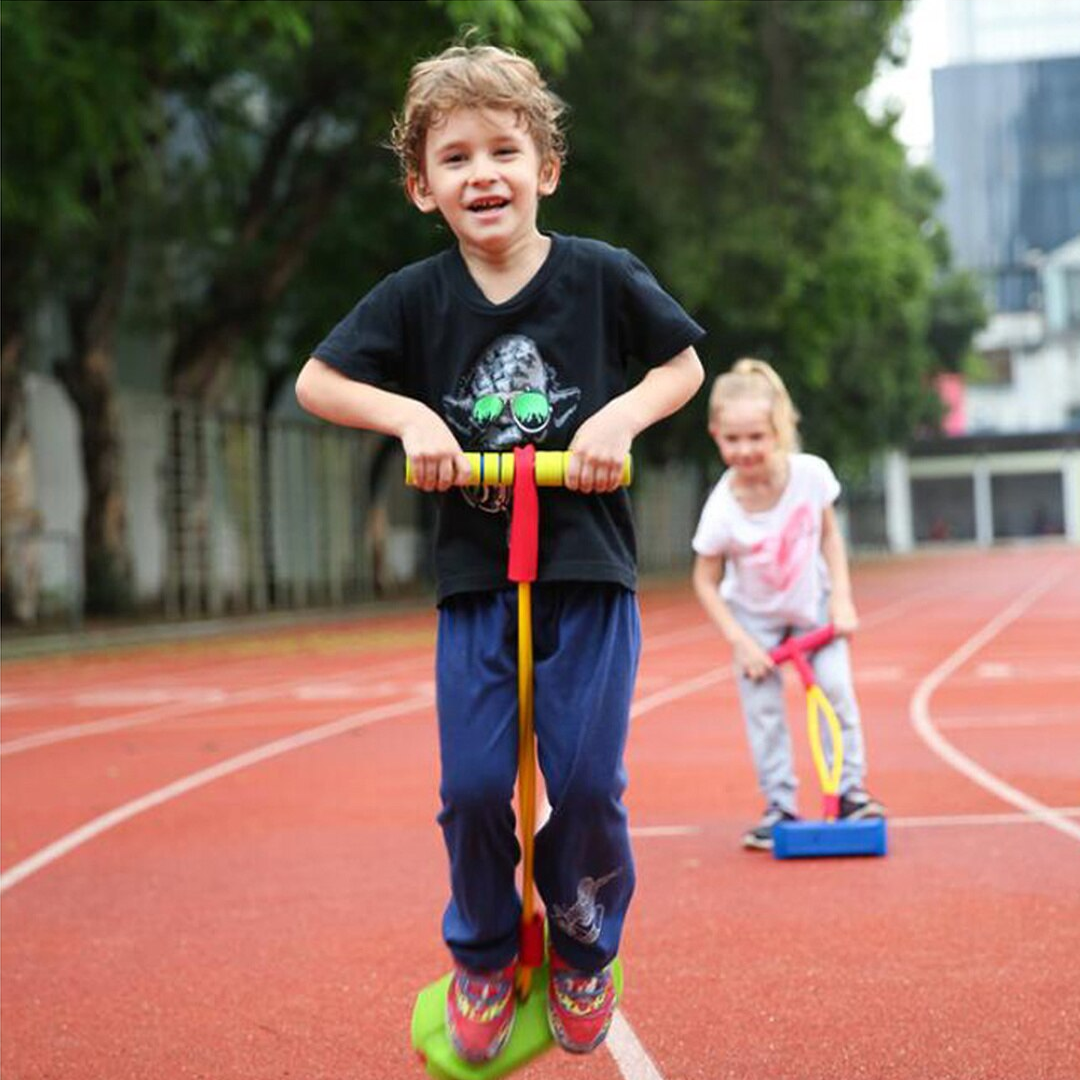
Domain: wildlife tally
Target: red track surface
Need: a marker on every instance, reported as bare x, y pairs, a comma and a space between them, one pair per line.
275, 920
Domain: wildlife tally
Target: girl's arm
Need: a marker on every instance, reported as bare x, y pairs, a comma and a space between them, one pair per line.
750, 658
841, 605
601, 444
436, 458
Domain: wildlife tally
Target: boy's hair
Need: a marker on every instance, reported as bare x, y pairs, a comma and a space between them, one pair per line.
750, 379
476, 77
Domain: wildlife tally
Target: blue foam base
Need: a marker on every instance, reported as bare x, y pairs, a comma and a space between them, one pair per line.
817, 839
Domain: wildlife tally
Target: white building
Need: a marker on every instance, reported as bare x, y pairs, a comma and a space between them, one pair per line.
1015, 472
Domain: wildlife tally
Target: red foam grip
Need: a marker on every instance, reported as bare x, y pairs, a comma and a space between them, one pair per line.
524, 517
532, 942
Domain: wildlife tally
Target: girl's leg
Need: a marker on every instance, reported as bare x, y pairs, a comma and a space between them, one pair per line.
832, 668
766, 723
587, 640
476, 685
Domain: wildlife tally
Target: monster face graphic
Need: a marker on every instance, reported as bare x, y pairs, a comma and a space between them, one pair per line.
509, 398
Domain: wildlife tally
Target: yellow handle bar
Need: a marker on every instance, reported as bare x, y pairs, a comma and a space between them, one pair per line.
497, 469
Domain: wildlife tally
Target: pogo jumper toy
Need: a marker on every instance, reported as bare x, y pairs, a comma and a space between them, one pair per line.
524, 470
834, 835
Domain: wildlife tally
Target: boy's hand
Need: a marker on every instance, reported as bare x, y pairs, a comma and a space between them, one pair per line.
598, 452
751, 659
842, 615
436, 460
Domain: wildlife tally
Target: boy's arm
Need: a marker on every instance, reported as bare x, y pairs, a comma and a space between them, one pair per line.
750, 658
601, 443
841, 605
436, 458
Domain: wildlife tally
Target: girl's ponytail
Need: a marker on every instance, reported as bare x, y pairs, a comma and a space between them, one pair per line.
750, 378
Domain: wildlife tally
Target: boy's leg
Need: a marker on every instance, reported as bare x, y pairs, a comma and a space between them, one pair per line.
587, 640
766, 723
476, 684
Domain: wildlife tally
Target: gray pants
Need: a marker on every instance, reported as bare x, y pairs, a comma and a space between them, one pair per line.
766, 722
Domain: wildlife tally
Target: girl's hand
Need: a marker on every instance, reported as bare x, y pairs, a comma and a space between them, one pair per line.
843, 616
437, 461
598, 451
751, 659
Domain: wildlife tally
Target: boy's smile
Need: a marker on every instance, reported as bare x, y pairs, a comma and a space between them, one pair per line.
483, 173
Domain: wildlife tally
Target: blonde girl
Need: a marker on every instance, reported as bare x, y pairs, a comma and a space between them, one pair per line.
771, 562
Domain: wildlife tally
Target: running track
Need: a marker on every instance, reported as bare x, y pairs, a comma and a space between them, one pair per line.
219, 858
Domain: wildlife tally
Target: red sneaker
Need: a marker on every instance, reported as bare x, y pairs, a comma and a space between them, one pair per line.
480, 1012
580, 1006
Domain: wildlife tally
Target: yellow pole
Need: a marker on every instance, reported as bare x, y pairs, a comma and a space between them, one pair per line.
526, 767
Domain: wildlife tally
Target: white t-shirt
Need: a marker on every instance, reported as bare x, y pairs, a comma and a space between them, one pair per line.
773, 562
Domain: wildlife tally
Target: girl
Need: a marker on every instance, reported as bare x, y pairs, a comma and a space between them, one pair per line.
770, 563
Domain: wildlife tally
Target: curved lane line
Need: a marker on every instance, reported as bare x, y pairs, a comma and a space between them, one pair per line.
66, 844
924, 725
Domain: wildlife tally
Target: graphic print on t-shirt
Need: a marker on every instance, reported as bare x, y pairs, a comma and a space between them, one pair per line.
783, 557
510, 397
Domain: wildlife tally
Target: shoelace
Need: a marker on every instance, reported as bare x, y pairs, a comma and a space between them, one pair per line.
581, 994
480, 998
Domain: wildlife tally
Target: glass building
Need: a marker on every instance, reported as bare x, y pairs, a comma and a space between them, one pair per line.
1007, 147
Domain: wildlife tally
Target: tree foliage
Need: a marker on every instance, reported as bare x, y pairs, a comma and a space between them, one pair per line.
214, 176
737, 160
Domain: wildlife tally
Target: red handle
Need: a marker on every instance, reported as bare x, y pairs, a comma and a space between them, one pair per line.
796, 650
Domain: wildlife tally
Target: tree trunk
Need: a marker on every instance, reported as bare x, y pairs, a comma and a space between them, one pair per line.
89, 379
20, 578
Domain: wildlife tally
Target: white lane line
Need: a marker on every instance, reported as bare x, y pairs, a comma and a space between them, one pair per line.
630, 1056
1046, 718
964, 820
679, 690
66, 844
107, 724
928, 732
679, 637
648, 831
177, 709
661, 832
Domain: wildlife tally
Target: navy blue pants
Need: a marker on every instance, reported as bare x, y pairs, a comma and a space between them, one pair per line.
586, 642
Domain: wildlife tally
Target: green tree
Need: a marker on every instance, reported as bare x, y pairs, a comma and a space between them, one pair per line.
86, 119
737, 160
214, 142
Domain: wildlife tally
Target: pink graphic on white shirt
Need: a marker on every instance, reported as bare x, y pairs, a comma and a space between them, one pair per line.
784, 557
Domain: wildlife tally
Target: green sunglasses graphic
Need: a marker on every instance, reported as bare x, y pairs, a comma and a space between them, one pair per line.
529, 408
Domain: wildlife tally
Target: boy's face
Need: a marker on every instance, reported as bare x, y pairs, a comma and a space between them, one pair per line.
483, 173
745, 436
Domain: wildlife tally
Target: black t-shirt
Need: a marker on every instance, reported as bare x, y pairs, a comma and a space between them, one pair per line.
529, 370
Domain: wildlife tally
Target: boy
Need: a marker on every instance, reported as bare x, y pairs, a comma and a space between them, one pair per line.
514, 336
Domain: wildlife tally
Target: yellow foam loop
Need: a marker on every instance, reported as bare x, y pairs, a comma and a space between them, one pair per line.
818, 704
497, 469
526, 768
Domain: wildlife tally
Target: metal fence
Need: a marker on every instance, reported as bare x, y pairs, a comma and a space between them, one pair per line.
229, 514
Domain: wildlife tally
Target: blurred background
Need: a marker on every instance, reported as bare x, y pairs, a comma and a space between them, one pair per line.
881, 198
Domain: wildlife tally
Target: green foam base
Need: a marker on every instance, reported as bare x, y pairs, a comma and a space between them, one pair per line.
530, 1037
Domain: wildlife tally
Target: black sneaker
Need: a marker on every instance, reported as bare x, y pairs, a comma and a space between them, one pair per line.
760, 837
857, 804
